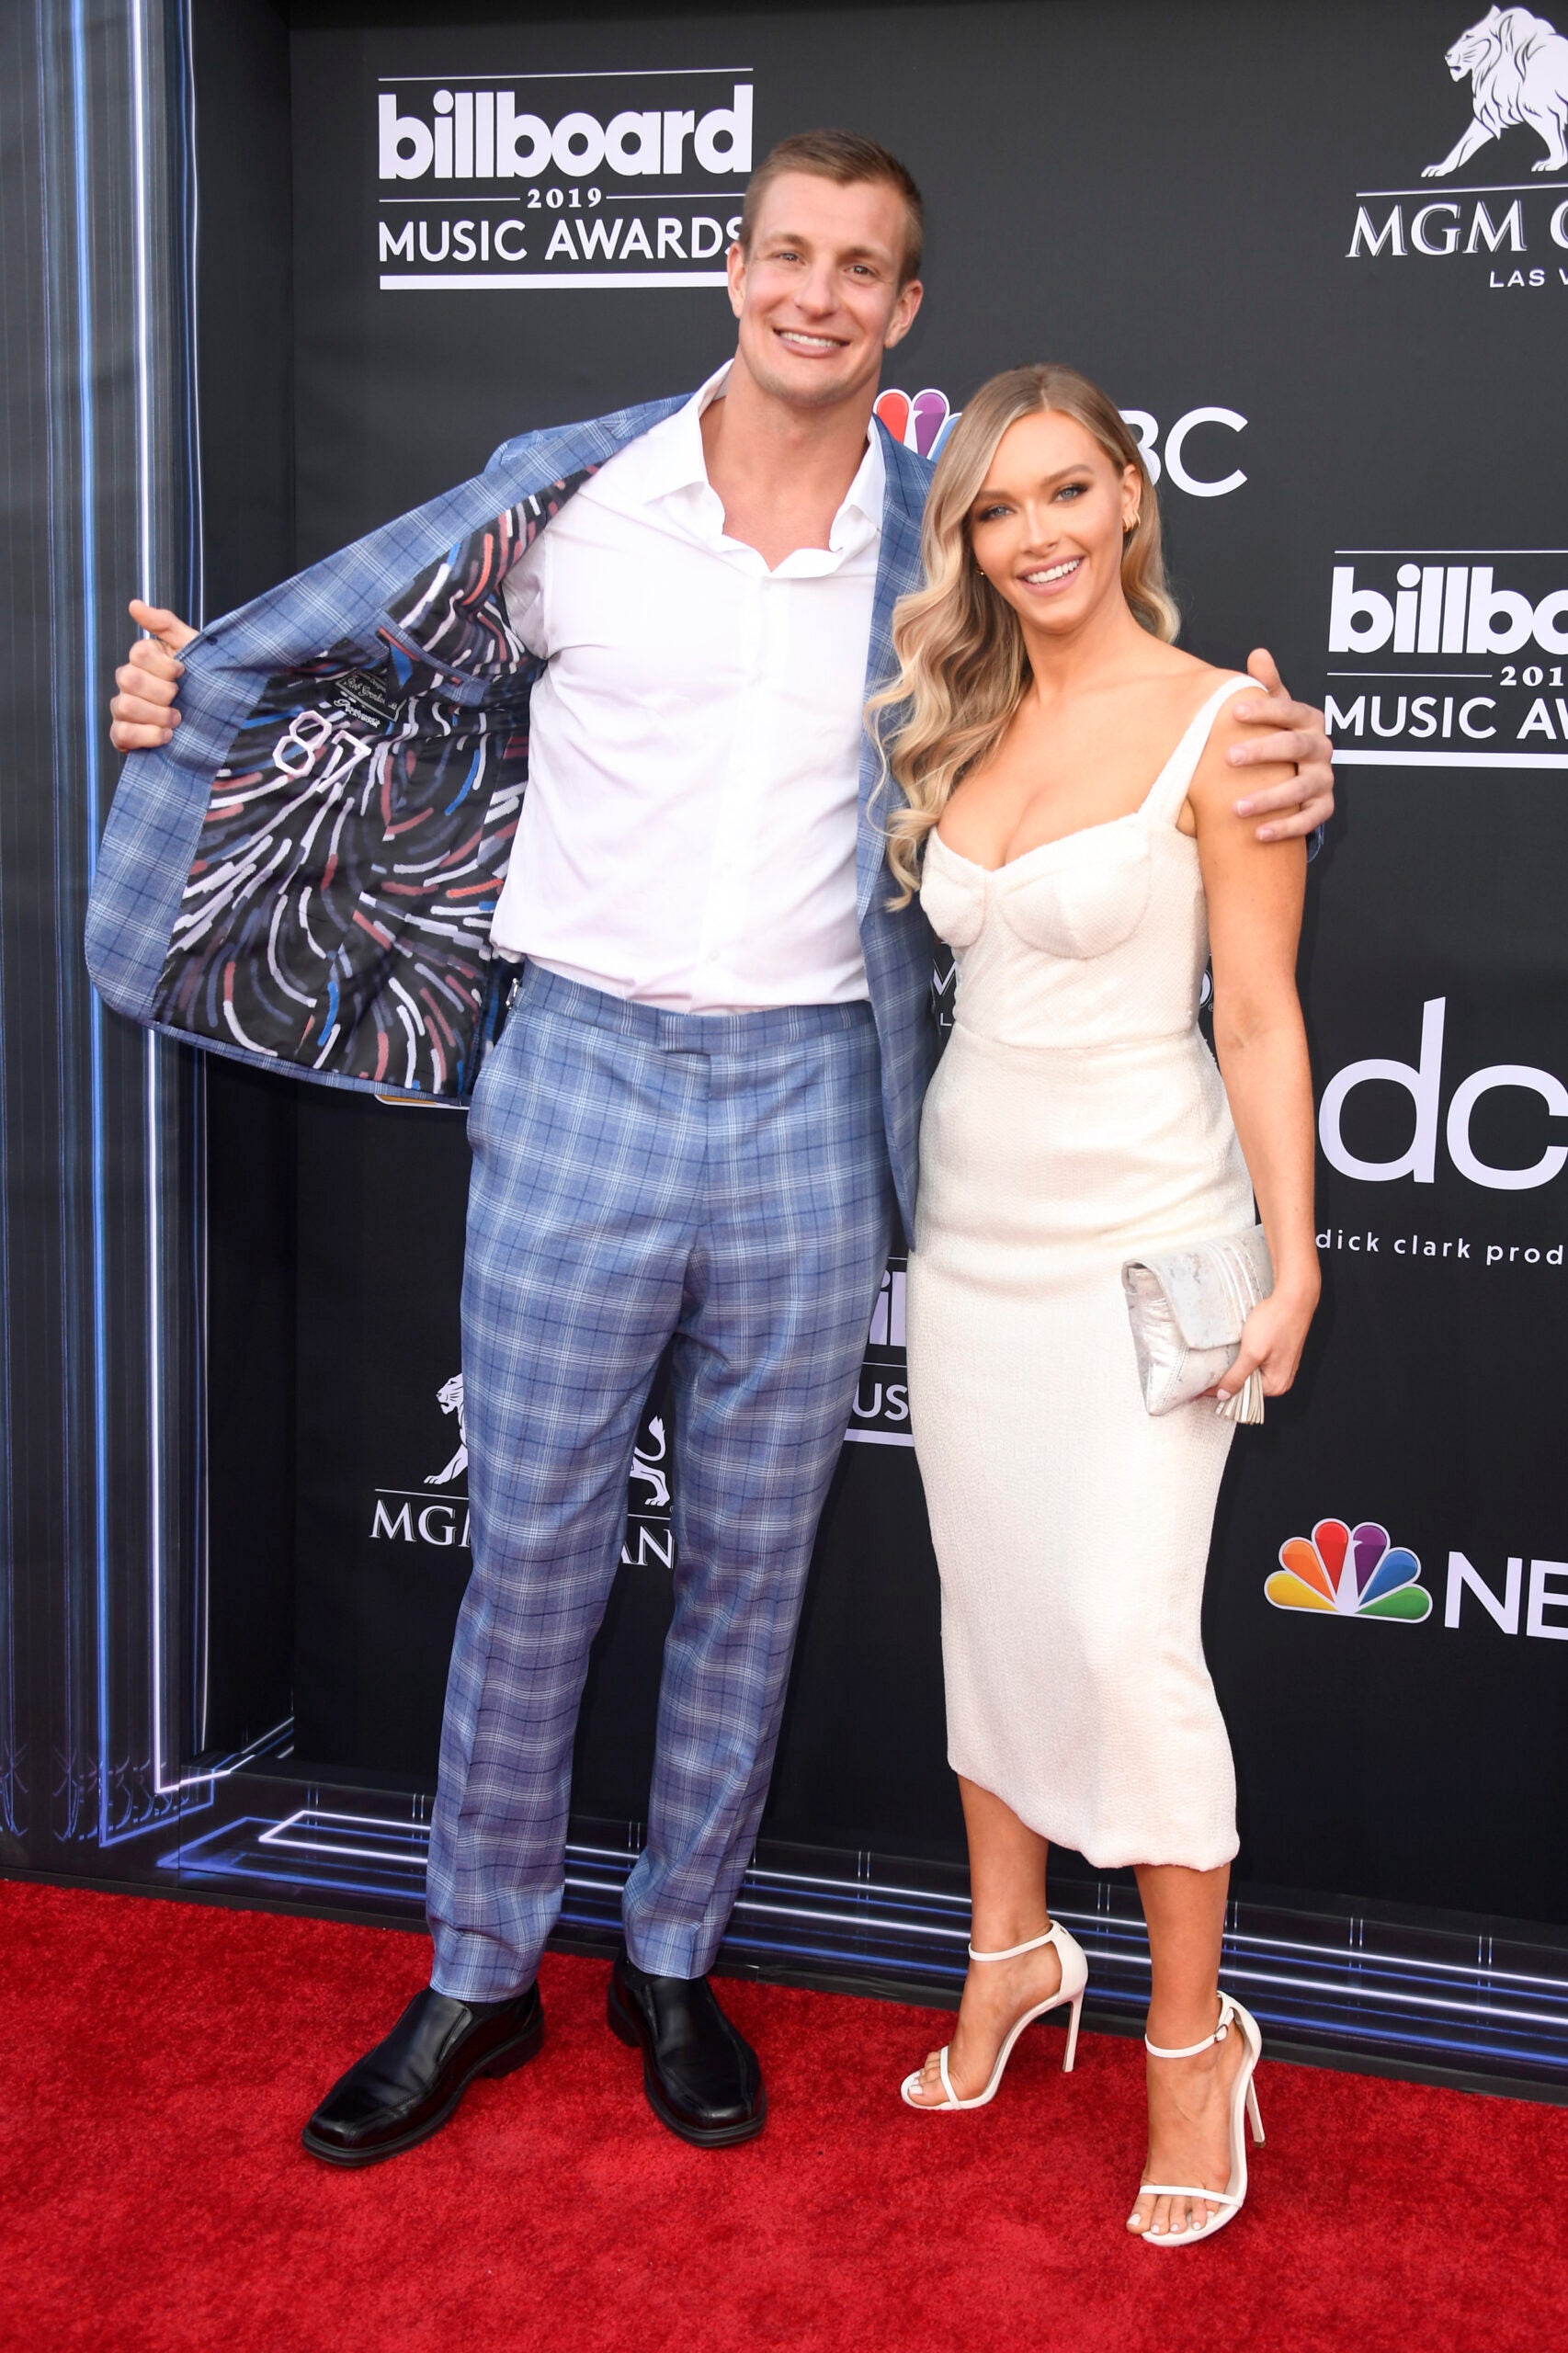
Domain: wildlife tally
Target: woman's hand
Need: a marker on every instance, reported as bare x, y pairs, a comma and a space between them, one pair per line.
1272, 1339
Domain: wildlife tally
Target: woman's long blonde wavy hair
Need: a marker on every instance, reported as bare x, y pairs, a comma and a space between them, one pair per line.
962, 668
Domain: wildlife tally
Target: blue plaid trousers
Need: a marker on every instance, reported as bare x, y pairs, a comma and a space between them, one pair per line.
723, 1181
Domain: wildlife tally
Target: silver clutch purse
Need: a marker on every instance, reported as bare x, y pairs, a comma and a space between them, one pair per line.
1187, 1307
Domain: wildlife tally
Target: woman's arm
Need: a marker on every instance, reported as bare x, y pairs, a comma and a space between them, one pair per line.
1255, 892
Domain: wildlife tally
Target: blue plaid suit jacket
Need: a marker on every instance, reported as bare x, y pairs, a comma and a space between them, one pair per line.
304, 877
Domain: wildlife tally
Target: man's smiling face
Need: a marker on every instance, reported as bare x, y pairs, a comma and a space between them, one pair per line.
818, 296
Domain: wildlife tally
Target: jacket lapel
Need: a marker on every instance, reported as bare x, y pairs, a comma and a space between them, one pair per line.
898, 571
453, 614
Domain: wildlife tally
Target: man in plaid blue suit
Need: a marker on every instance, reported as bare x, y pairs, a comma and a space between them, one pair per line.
720, 1182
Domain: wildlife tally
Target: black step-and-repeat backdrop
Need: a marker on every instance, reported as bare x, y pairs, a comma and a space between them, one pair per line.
1320, 255
266, 289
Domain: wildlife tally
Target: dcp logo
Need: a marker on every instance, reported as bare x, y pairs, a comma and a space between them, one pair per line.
1423, 1081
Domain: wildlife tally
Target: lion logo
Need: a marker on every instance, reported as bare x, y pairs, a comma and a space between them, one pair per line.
449, 1397
1518, 70
646, 1468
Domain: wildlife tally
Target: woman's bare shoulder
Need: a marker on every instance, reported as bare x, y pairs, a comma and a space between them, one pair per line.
1176, 676
1183, 684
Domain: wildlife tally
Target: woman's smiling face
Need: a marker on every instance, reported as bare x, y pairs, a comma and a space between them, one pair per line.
1048, 523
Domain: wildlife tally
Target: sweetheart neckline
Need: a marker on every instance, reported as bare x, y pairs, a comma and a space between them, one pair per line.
1106, 825
1199, 726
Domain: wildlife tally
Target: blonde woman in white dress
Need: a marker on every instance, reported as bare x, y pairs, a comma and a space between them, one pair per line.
1072, 830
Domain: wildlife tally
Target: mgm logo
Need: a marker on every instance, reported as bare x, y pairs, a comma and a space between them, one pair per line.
412, 1516
1518, 68
1517, 65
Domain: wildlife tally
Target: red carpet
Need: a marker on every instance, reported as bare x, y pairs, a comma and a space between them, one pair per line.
161, 2057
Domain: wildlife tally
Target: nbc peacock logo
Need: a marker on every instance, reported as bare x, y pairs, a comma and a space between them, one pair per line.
921, 420
1351, 1571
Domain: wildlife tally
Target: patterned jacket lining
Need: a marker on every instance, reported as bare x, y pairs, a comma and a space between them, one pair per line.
338, 913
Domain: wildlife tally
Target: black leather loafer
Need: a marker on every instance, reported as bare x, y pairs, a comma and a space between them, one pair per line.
699, 2072
408, 2086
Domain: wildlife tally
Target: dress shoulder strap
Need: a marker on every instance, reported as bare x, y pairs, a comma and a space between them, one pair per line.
1169, 789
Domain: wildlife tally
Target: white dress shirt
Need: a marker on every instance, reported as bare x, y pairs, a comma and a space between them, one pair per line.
687, 835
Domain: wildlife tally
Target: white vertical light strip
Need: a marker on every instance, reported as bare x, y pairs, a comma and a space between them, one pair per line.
196, 526
86, 494
193, 225
202, 1529
167, 1779
142, 264
153, 1168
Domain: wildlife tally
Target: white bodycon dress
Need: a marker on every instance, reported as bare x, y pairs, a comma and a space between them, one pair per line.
1076, 1119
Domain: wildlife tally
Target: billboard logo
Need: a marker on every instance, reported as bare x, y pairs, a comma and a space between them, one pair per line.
881, 1413
1518, 66
484, 135
1351, 1572
1442, 609
523, 182
1421, 631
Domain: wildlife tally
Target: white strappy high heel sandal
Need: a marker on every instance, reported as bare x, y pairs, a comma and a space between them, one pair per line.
1242, 2096
1074, 1977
